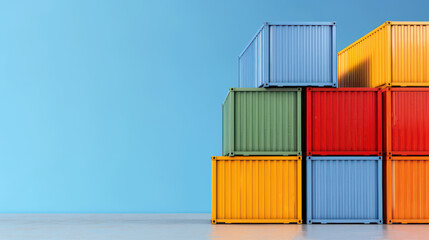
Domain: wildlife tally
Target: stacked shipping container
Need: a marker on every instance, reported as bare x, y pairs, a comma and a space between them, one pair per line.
395, 56
255, 182
262, 121
344, 189
344, 148
354, 137
344, 121
256, 189
290, 54
407, 150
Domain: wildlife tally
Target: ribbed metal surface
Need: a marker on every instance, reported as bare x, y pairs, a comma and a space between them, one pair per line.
407, 117
394, 54
364, 63
410, 54
407, 198
344, 121
344, 189
290, 55
227, 124
256, 190
259, 121
301, 55
253, 63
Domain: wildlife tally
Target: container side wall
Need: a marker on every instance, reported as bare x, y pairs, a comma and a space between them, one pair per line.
365, 63
226, 126
410, 122
409, 194
345, 189
253, 71
345, 122
266, 122
410, 55
302, 55
258, 190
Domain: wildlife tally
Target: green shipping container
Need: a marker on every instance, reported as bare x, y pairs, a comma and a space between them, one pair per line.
262, 121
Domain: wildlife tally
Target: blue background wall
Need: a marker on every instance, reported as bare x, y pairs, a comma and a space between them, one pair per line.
115, 106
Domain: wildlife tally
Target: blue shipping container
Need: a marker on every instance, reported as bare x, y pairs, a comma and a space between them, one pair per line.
344, 190
290, 54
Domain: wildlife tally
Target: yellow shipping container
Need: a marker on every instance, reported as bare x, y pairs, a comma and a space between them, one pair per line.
394, 54
256, 189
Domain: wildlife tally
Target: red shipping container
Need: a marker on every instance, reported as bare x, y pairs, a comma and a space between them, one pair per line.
406, 116
344, 121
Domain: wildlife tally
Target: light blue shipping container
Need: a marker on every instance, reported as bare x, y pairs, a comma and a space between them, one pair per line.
290, 54
344, 190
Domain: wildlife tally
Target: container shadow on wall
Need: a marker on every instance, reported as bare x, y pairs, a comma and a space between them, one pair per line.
356, 76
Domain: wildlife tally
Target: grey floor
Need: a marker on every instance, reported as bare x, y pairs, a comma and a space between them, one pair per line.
184, 226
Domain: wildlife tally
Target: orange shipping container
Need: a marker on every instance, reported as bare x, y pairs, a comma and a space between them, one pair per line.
256, 189
406, 189
394, 54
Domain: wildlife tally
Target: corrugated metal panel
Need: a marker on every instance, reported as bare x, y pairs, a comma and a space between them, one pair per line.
301, 55
261, 121
394, 54
227, 127
407, 184
290, 54
410, 54
344, 189
256, 190
253, 63
407, 121
364, 63
344, 121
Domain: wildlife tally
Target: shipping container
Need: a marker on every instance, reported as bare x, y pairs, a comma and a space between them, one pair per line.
394, 54
344, 121
257, 189
290, 54
406, 116
406, 189
344, 189
262, 121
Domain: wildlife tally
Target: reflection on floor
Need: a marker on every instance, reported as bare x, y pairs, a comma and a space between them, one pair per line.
184, 226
